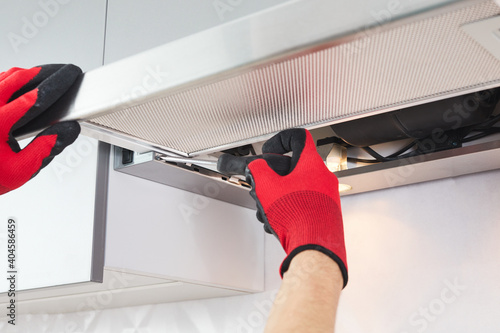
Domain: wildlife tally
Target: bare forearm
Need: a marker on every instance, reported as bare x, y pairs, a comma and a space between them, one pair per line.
308, 297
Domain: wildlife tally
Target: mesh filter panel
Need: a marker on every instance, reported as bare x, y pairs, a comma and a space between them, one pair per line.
374, 71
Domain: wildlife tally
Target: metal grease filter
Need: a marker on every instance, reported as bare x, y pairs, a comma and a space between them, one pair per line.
413, 62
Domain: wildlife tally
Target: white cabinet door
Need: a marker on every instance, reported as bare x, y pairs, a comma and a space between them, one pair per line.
35, 32
59, 222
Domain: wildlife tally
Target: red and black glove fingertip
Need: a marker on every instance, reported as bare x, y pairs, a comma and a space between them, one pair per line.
67, 132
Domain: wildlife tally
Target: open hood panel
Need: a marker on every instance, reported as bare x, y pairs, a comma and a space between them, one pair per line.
293, 65
306, 63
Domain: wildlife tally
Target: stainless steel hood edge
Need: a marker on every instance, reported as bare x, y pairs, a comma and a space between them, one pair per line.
232, 49
427, 59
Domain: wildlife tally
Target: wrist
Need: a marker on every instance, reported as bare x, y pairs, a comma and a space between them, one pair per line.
309, 253
313, 263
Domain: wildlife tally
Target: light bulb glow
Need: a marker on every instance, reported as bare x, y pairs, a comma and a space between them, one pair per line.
337, 158
344, 188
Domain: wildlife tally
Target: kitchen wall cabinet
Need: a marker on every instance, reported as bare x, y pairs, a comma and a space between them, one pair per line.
57, 211
60, 216
52, 31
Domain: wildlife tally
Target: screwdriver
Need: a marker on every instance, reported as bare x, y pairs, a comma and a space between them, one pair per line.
235, 165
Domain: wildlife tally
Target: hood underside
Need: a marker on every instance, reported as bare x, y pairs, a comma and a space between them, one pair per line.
322, 79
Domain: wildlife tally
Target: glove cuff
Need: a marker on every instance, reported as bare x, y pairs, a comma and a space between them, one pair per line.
286, 263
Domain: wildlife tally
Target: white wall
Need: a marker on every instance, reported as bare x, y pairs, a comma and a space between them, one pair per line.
422, 258
406, 246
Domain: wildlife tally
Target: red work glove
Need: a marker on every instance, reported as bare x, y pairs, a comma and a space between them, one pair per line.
300, 207
25, 94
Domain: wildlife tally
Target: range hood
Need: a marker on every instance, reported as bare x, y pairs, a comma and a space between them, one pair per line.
305, 63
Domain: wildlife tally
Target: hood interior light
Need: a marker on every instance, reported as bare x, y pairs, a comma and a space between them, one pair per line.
337, 161
344, 188
337, 158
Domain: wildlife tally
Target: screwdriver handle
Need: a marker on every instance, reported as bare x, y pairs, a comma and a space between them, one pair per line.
236, 165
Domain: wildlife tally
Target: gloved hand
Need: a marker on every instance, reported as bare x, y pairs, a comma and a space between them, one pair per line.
25, 94
301, 207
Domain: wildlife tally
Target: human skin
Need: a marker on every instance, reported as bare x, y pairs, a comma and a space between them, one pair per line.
308, 297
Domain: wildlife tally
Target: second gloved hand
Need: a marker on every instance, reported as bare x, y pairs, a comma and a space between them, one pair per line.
300, 207
24, 95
